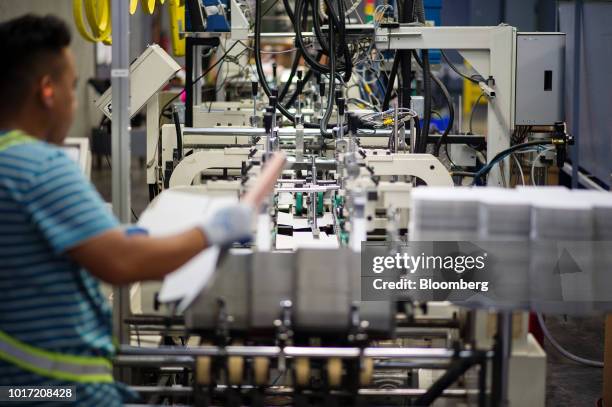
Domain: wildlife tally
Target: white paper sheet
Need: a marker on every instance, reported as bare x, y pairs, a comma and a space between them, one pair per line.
174, 212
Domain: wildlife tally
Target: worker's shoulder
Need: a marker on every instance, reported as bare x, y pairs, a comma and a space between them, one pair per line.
29, 165
34, 156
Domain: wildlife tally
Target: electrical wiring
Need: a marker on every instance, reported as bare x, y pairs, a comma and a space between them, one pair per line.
505, 153
316, 25
285, 51
265, 12
332, 77
294, 66
419, 10
358, 102
520, 168
535, 162
386, 119
451, 109
259, 67
452, 66
301, 7
258, 64
471, 130
391, 82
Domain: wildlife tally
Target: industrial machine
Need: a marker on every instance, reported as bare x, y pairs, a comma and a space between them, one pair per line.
283, 321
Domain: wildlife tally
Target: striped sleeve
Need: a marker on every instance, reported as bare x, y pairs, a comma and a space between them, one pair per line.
64, 206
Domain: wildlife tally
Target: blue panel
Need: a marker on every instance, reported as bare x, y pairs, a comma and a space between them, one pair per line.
433, 12
455, 13
217, 23
485, 12
594, 136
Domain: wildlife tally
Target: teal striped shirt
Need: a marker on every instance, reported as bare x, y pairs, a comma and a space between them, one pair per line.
47, 207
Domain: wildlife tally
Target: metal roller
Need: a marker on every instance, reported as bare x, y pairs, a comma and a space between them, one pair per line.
334, 372
203, 370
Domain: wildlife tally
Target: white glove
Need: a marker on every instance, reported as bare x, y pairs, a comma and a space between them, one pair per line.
229, 225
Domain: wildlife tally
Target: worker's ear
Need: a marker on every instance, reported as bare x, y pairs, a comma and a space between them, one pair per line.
47, 91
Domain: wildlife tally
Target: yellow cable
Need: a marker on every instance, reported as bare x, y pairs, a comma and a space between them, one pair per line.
98, 15
148, 6
103, 32
133, 6
177, 26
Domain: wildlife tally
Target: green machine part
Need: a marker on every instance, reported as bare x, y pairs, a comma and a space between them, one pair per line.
299, 203
320, 197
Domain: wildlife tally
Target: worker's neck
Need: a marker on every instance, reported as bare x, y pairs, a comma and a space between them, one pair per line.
27, 123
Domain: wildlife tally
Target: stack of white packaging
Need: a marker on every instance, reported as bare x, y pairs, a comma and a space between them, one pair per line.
561, 255
505, 216
444, 214
566, 259
602, 235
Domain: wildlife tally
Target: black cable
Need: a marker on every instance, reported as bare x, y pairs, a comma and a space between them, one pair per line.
391, 81
179, 135
300, 7
348, 58
462, 174
451, 109
457, 368
406, 15
332, 78
260, 72
296, 59
300, 87
473, 110
454, 68
267, 10
294, 68
316, 24
423, 139
502, 154
289, 11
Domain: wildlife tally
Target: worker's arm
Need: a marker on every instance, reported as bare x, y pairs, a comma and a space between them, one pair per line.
119, 259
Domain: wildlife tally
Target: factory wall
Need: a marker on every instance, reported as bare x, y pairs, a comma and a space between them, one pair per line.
526, 15
83, 50
594, 134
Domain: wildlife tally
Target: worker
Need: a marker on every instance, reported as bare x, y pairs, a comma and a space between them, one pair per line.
57, 236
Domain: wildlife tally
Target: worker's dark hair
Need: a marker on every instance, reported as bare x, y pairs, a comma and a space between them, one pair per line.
28, 45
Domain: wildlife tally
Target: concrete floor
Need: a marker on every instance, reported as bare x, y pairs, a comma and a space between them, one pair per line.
568, 384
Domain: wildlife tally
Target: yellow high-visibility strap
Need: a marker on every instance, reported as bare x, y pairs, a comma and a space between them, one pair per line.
82, 369
14, 138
